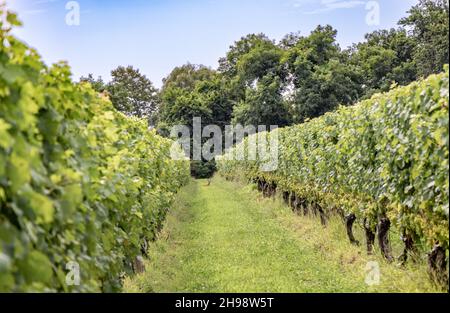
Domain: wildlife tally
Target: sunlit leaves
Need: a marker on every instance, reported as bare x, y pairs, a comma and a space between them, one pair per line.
77, 178
36, 268
387, 155
6, 139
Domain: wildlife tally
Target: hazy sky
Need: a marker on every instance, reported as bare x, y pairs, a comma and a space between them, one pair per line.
157, 35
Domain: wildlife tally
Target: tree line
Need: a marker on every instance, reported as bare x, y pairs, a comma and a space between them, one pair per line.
264, 82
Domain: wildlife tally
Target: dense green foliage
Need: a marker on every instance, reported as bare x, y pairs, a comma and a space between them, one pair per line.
304, 76
263, 82
428, 23
387, 156
83, 179
79, 181
194, 91
131, 92
385, 57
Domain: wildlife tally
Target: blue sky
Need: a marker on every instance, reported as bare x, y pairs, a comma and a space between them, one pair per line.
157, 35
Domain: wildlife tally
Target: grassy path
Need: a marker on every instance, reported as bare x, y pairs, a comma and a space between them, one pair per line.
226, 238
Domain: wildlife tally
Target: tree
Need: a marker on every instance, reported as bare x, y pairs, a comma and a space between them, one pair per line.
319, 47
215, 94
194, 91
229, 64
386, 57
132, 92
321, 77
428, 24
259, 62
238, 68
289, 41
98, 84
263, 105
179, 106
181, 99
187, 76
324, 89
256, 77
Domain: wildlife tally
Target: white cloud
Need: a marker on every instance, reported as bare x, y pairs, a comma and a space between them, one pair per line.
44, 1
299, 3
328, 5
35, 12
333, 4
35, 7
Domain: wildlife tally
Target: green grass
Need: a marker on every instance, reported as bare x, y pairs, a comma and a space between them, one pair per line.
226, 238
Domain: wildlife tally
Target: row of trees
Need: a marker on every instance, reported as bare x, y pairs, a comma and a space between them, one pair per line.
263, 82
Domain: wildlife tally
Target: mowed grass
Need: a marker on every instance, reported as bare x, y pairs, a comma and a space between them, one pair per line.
226, 238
